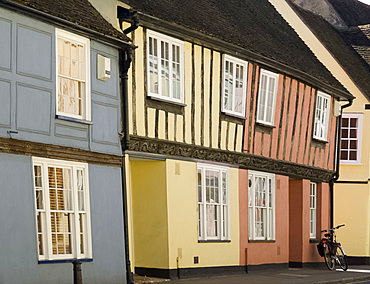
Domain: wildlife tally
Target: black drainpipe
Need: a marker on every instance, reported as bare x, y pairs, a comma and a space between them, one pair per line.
337, 162
125, 59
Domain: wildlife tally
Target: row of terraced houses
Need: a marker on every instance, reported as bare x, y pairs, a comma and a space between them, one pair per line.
177, 139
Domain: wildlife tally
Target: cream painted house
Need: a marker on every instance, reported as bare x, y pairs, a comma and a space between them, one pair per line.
341, 43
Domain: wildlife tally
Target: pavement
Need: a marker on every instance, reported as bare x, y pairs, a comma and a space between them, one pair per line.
355, 274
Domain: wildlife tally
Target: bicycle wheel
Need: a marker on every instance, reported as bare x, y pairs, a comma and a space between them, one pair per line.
329, 259
342, 258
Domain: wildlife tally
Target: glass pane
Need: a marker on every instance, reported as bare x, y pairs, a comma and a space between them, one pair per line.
224, 189
39, 199
353, 155
238, 103
262, 98
200, 186
270, 99
228, 91
176, 72
345, 122
211, 220
344, 155
80, 190
153, 65
344, 144
353, 144
344, 133
165, 73
38, 179
353, 122
353, 133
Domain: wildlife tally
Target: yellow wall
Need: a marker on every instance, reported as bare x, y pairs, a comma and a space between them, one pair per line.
352, 209
149, 204
165, 218
359, 172
183, 217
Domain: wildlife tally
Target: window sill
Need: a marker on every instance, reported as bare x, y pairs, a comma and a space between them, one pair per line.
314, 241
265, 124
61, 117
64, 260
214, 241
350, 164
164, 99
240, 116
320, 140
262, 241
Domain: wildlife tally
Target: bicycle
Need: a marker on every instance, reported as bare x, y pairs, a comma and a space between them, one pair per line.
332, 250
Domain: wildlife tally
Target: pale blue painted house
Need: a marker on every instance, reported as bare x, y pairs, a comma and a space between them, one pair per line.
60, 149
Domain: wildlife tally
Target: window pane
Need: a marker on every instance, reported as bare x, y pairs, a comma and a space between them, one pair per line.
228, 85
238, 104
353, 133
200, 186
153, 65
345, 122
270, 99
353, 123
344, 155
262, 98
353, 155
211, 220
176, 72
165, 73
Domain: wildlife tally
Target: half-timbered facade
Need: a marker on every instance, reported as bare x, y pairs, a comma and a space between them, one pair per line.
343, 46
231, 140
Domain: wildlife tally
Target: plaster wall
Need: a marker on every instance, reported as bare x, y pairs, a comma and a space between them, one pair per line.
150, 213
256, 253
18, 249
352, 203
183, 219
28, 89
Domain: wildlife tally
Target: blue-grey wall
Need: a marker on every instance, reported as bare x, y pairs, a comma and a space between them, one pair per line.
27, 105
18, 244
28, 86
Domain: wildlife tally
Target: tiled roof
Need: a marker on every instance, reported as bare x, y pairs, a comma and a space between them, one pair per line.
77, 12
339, 45
353, 12
254, 25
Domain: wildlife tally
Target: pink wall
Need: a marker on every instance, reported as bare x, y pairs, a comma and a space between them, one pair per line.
300, 248
254, 253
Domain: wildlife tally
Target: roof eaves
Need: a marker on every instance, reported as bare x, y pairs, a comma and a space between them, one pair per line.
43, 16
300, 10
215, 43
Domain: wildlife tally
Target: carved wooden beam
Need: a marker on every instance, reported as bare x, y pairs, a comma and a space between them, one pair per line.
27, 148
243, 160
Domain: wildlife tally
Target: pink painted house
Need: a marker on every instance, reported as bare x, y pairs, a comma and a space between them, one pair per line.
290, 136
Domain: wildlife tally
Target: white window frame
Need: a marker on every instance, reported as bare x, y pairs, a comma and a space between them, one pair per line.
264, 96
321, 123
86, 100
359, 117
223, 224
45, 212
172, 42
269, 226
235, 61
313, 210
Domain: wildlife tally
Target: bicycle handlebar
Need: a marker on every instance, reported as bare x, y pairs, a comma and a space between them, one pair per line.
333, 229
